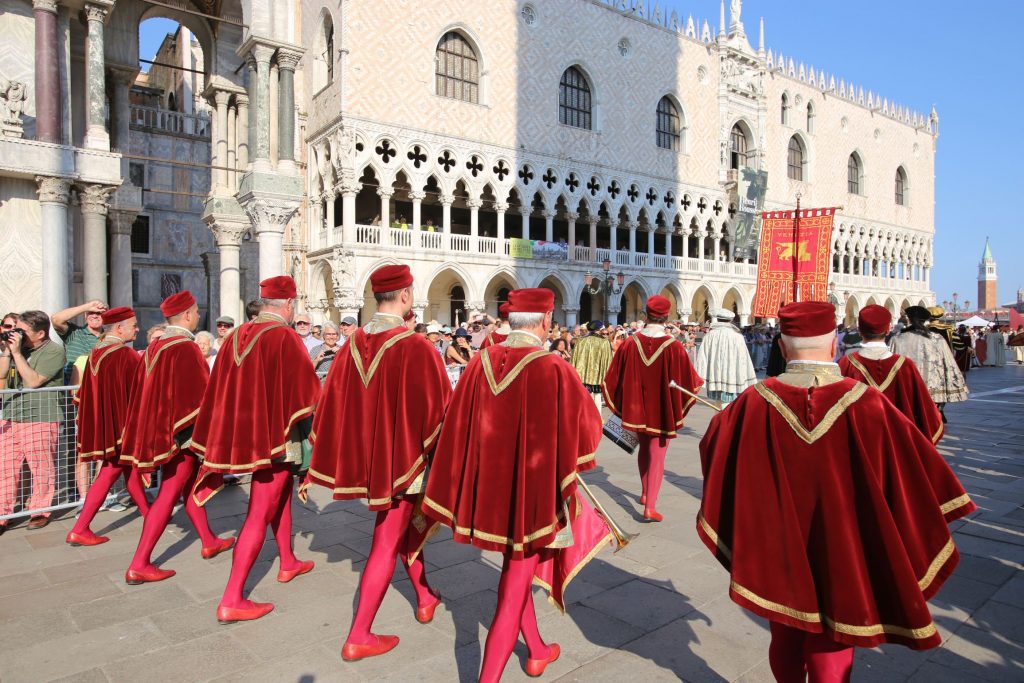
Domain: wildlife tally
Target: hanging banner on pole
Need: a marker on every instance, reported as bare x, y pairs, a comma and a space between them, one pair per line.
750, 191
795, 252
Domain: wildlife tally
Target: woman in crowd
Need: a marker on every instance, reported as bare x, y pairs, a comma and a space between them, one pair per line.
323, 355
560, 347
205, 342
460, 352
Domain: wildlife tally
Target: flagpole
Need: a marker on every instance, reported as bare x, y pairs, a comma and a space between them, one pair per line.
796, 250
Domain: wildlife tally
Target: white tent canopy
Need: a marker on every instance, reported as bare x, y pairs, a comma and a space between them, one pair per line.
975, 321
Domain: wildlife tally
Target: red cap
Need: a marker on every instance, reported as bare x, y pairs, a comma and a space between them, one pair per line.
177, 303
280, 287
807, 319
117, 315
409, 316
503, 310
537, 300
874, 320
390, 278
658, 306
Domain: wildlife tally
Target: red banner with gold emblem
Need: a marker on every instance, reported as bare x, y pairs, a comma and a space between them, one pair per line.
795, 255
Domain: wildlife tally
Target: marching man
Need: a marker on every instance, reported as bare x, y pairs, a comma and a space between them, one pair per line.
723, 360
934, 360
592, 357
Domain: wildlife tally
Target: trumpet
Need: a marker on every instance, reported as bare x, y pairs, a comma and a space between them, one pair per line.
622, 538
672, 384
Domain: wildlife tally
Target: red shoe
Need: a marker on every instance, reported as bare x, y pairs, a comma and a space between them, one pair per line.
80, 539
653, 516
535, 667
222, 545
425, 615
351, 652
135, 577
229, 615
643, 499
286, 575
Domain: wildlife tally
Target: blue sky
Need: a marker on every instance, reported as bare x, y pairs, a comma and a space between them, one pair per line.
151, 34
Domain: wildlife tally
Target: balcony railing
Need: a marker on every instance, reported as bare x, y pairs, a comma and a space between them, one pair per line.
170, 122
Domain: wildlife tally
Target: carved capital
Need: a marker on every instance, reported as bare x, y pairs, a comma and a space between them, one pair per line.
228, 234
501, 206
474, 203
446, 199
417, 196
241, 100
632, 225
221, 97
385, 192
572, 217
95, 199
571, 309
53, 190
262, 54
593, 220
548, 214
270, 216
121, 222
95, 12
45, 5
476, 305
288, 59
420, 306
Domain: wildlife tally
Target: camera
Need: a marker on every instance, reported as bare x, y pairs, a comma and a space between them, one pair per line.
328, 352
6, 335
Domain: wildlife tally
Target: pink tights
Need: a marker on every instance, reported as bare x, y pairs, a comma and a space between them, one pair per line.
179, 474
388, 543
108, 474
651, 460
513, 615
795, 655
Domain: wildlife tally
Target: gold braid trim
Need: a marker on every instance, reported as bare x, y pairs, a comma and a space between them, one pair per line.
936, 565
833, 414
151, 359
869, 380
367, 375
657, 352
957, 502
713, 535
96, 359
239, 357
498, 387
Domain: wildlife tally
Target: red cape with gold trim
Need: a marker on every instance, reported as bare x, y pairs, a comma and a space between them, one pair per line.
898, 378
829, 509
493, 339
103, 400
636, 386
518, 429
262, 384
379, 416
168, 388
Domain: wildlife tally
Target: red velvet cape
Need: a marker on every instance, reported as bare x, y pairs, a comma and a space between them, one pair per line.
261, 385
519, 427
379, 416
636, 385
168, 388
829, 509
493, 339
898, 378
103, 400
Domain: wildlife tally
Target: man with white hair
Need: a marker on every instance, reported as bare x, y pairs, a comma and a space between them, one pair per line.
723, 360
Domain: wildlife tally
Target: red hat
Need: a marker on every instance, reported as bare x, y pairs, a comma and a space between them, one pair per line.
390, 278
874, 320
409, 316
280, 287
807, 319
503, 310
117, 315
537, 300
658, 306
177, 303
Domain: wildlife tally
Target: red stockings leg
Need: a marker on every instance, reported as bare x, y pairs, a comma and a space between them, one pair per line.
136, 489
108, 474
644, 462
513, 592
657, 447
418, 576
786, 653
281, 524
174, 475
531, 634
196, 513
827, 660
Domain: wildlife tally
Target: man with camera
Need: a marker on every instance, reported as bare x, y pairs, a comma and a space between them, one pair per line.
29, 423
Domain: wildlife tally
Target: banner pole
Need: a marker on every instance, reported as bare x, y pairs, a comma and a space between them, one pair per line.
796, 251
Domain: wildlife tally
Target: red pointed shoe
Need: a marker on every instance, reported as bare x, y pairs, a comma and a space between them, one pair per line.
535, 667
77, 540
351, 652
653, 516
286, 575
135, 577
425, 615
229, 615
222, 545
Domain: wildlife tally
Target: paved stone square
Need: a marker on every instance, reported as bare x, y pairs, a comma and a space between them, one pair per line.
658, 610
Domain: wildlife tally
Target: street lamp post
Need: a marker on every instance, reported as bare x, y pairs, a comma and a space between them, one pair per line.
612, 284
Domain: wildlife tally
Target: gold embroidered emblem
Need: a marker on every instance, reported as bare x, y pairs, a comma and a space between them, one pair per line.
833, 414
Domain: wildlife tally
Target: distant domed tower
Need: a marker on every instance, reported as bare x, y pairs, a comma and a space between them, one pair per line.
987, 281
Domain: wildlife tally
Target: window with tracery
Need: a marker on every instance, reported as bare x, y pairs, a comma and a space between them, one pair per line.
901, 187
853, 175
738, 148
457, 68
575, 106
668, 126
795, 160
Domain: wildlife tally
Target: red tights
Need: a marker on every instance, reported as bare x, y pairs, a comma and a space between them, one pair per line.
795, 655
651, 460
389, 535
270, 502
108, 474
178, 476
513, 615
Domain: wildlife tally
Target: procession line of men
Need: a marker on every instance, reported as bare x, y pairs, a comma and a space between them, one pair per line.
794, 467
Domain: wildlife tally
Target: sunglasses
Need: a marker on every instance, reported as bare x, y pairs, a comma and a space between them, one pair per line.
223, 325
301, 322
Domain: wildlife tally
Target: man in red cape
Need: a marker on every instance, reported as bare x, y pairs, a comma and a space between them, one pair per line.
518, 430
636, 388
828, 507
894, 375
167, 391
102, 412
254, 415
501, 332
377, 421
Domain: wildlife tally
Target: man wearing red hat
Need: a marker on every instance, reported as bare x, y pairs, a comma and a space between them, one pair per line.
829, 509
102, 412
501, 332
376, 424
894, 375
636, 388
166, 394
253, 417
519, 429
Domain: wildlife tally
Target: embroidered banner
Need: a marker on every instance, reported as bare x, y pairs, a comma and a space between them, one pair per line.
793, 251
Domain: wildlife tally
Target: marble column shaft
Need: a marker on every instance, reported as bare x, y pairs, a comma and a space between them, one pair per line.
228, 238
259, 100
232, 148
385, 207
47, 78
220, 142
286, 61
96, 136
242, 132
94, 200
53, 209
417, 208
121, 257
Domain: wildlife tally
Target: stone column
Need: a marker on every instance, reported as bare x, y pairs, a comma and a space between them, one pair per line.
525, 211
571, 219
121, 257
549, 225
632, 225
417, 208
220, 141
385, 195
570, 315
259, 99
446, 212
47, 82
419, 307
474, 205
274, 113
242, 132
96, 136
499, 209
269, 219
53, 208
287, 60
348, 212
228, 236
613, 245
650, 245
123, 80
94, 201
668, 243
593, 238
232, 148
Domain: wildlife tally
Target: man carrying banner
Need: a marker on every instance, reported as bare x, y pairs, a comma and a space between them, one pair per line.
829, 509
636, 388
592, 357
254, 415
723, 360
519, 429
894, 375
931, 353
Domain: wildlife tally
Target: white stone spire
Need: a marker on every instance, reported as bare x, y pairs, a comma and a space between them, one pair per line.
760, 40
721, 18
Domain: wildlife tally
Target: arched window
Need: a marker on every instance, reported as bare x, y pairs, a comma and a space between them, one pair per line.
737, 148
668, 128
785, 109
456, 68
328, 55
853, 174
901, 186
574, 101
795, 159
810, 117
